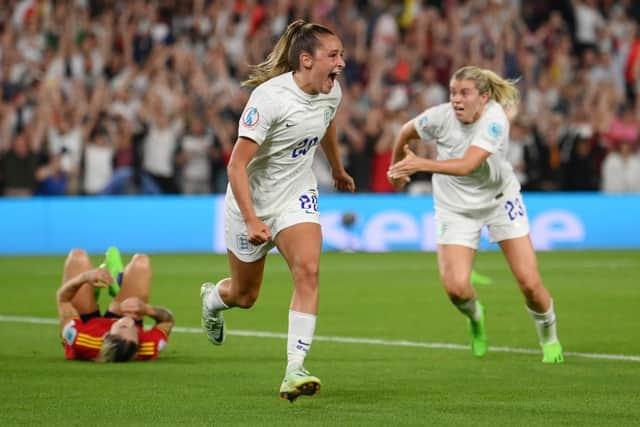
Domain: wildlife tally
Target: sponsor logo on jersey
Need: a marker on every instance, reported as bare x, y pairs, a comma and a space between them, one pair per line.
250, 117
495, 130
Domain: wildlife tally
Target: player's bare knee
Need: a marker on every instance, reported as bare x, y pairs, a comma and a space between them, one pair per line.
459, 290
141, 261
458, 286
303, 271
78, 255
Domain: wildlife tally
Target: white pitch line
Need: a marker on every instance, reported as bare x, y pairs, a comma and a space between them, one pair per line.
353, 340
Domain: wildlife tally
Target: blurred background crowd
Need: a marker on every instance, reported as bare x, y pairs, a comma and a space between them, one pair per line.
144, 96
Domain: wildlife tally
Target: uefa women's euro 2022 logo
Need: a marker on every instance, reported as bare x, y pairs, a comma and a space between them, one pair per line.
250, 117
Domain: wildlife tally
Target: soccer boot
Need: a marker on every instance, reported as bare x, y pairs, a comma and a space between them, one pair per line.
480, 279
212, 321
298, 382
552, 353
113, 263
478, 334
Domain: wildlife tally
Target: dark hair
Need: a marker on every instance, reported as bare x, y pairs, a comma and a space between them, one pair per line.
117, 349
300, 36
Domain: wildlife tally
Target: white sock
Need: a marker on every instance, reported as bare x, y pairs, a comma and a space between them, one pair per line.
214, 301
545, 325
301, 329
470, 309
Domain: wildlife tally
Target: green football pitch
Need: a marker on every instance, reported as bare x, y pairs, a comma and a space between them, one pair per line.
389, 348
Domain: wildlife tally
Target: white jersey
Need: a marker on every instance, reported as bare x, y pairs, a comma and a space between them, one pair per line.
287, 124
491, 133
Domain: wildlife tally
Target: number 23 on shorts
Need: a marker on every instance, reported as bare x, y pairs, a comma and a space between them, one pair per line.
514, 208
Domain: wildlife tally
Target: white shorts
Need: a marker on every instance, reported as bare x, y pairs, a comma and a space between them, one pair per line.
507, 220
303, 208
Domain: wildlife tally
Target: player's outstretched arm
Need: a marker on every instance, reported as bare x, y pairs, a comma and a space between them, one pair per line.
406, 134
410, 164
99, 278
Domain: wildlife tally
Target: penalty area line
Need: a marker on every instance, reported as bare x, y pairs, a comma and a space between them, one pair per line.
354, 340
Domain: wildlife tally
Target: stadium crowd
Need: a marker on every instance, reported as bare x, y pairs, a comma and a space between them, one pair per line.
144, 96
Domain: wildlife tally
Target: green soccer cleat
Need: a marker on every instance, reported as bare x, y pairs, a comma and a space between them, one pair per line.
113, 263
212, 321
552, 353
480, 279
478, 334
298, 382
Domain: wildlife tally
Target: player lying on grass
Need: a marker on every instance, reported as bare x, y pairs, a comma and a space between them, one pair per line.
118, 334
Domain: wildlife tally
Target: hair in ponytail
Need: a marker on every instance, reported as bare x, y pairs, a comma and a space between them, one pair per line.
300, 36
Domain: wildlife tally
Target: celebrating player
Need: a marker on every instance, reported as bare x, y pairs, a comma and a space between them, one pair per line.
272, 197
117, 335
473, 186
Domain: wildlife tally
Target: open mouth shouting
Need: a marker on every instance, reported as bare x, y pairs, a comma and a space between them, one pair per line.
331, 78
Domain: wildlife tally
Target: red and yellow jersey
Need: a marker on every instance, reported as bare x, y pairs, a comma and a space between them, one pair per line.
82, 340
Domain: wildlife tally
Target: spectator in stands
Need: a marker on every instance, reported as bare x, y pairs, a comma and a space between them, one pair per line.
194, 158
621, 169
98, 159
162, 113
589, 21
118, 334
18, 165
191, 56
581, 171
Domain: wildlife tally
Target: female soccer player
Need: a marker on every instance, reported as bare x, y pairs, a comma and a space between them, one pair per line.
474, 185
117, 335
272, 197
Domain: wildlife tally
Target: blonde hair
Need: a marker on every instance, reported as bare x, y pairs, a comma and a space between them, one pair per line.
503, 91
116, 349
300, 36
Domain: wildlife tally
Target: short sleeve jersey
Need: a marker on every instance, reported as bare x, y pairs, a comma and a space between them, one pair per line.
82, 340
491, 133
287, 124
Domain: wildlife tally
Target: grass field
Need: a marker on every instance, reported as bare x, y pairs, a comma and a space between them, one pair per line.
390, 349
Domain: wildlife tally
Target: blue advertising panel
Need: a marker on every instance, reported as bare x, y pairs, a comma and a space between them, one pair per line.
54, 225
380, 223
557, 221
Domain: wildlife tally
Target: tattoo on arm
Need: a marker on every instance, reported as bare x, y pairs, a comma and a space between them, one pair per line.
161, 314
